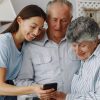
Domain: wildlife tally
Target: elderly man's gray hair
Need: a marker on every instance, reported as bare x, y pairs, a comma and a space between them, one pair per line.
83, 28
66, 2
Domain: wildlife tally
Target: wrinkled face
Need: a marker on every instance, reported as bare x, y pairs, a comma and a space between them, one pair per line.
31, 28
84, 49
59, 16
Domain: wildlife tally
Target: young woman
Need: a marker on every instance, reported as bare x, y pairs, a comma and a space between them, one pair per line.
27, 26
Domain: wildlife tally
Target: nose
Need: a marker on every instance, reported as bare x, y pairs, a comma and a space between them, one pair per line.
58, 25
36, 32
76, 49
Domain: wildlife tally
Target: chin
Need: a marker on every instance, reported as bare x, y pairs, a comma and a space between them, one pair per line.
82, 58
29, 40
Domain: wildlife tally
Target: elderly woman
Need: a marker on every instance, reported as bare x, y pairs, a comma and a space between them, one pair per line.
83, 36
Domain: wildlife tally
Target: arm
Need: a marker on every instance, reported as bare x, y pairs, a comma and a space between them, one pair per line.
11, 90
88, 96
92, 95
26, 74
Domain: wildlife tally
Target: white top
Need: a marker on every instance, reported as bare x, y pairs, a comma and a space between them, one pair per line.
86, 82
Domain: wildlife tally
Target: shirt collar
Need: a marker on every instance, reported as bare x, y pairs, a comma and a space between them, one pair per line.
63, 39
42, 41
96, 53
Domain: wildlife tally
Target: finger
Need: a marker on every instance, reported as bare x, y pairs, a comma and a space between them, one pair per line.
50, 90
44, 98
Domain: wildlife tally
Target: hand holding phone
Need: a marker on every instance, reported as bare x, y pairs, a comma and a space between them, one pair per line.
50, 85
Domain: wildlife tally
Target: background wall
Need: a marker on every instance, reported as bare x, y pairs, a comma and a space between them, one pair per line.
19, 4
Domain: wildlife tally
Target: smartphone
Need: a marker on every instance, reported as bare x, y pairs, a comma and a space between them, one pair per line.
50, 85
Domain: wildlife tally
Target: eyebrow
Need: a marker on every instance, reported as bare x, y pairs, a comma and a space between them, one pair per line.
36, 24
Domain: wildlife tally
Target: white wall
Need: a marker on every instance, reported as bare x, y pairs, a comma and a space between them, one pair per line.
19, 4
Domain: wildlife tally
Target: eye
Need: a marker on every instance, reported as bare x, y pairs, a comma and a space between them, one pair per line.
32, 27
54, 20
65, 21
82, 45
41, 29
74, 44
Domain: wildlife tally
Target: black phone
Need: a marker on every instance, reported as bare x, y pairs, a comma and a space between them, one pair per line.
50, 85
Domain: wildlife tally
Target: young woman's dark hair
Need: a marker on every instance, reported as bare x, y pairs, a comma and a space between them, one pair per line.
26, 13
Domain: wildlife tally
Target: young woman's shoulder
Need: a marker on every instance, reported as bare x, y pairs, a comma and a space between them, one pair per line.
6, 37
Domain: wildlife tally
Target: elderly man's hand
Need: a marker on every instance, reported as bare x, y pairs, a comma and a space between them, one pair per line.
59, 96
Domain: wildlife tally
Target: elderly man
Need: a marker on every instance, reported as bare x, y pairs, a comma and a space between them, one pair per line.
83, 35
48, 60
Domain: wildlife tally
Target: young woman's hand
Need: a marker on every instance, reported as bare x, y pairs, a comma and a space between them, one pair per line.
43, 94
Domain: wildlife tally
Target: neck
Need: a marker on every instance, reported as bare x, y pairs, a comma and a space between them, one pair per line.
56, 38
18, 40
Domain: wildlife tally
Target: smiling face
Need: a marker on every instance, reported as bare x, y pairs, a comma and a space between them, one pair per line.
31, 28
84, 49
59, 16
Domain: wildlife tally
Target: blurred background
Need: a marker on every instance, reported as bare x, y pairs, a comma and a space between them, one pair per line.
10, 8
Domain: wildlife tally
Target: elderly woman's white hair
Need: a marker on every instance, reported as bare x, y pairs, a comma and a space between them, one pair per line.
83, 28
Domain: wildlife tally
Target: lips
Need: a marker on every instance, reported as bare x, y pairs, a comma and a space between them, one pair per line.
31, 36
81, 54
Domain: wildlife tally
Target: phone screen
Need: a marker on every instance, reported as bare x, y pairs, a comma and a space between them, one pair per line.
50, 85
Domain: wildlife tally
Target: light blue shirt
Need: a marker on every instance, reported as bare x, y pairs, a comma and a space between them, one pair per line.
86, 83
10, 57
46, 62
